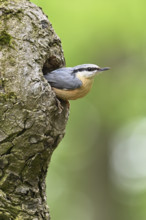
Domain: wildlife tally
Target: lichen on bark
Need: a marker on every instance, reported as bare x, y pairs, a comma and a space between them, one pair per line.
31, 124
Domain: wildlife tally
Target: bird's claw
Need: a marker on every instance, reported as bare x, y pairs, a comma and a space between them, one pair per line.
60, 107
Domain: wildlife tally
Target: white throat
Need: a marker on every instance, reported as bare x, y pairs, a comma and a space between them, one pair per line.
86, 74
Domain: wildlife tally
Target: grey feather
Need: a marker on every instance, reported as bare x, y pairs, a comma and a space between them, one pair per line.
63, 78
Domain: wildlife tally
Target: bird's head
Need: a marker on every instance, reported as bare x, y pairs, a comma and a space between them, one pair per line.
88, 70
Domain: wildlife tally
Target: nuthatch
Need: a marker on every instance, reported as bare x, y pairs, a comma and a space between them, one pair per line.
71, 83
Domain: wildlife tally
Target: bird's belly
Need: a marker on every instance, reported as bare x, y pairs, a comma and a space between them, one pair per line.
76, 93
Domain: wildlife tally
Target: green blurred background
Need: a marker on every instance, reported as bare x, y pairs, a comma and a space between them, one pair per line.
98, 172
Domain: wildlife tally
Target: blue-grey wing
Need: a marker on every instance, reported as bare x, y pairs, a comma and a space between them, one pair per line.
63, 78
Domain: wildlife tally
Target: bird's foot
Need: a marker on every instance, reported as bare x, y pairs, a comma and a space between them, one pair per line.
60, 107
61, 104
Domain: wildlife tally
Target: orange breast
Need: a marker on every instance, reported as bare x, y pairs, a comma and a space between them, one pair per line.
76, 93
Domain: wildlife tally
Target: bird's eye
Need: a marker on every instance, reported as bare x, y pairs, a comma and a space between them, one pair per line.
89, 69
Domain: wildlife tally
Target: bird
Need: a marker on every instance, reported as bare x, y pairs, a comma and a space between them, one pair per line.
71, 83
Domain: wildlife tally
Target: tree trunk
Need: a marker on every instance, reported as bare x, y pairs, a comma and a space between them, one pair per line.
31, 123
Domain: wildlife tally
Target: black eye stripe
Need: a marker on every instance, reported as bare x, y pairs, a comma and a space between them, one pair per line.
86, 69
92, 68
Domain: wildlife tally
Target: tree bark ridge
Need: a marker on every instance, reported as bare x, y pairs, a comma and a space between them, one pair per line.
31, 125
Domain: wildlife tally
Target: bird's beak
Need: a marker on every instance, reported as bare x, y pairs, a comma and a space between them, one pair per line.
104, 69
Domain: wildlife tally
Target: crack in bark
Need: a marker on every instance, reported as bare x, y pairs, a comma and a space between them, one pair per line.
12, 136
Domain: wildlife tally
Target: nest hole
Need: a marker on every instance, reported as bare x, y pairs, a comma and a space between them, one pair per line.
52, 63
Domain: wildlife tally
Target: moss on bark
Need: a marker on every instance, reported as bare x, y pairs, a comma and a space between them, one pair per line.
5, 38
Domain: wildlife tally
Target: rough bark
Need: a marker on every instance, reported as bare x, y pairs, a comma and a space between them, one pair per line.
31, 124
